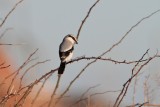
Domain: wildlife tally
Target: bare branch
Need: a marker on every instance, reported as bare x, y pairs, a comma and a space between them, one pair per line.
55, 89
88, 90
8, 96
143, 104
139, 61
6, 17
112, 47
134, 89
84, 20
105, 92
146, 89
70, 84
5, 67
34, 100
2, 66
30, 87
138, 104
127, 83
134, 26
6, 30
10, 44
105, 59
92, 95
41, 62
21, 67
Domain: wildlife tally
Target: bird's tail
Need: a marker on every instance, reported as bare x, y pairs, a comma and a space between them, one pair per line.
61, 68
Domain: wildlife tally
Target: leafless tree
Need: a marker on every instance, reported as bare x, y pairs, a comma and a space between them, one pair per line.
20, 94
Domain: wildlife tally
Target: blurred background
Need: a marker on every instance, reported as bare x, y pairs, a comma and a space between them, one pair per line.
42, 24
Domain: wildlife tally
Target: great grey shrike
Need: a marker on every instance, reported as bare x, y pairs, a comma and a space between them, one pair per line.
66, 51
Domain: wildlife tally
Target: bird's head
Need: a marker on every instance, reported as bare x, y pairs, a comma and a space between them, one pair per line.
72, 37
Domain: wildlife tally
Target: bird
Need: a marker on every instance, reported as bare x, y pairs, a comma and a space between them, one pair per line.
66, 51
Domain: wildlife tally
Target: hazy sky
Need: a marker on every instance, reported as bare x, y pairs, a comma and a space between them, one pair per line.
43, 24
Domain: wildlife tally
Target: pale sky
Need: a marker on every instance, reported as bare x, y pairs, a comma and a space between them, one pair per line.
43, 24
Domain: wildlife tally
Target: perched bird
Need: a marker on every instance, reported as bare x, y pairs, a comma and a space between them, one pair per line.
66, 51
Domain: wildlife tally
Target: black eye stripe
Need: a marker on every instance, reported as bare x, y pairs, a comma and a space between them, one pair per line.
72, 37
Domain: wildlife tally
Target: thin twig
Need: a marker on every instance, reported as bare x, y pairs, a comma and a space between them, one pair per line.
128, 82
138, 104
92, 95
106, 59
111, 48
2, 66
9, 13
134, 89
24, 64
11, 44
30, 87
21, 67
84, 20
143, 104
35, 98
70, 84
5, 67
8, 96
54, 92
88, 90
134, 26
146, 90
41, 62
139, 61
6, 30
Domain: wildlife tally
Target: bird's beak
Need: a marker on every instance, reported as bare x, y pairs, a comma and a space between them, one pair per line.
76, 40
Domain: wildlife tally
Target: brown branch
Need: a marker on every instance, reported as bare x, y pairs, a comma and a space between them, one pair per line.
134, 90
5, 67
139, 61
92, 95
30, 87
105, 92
10, 44
116, 44
8, 96
24, 64
146, 89
138, 104
127, 83
111, 48
105, 59
81, 98
20, 68
152, 105
9, 13
134, 26
22, 99
6, 30
54, 92
143, 104
2, 63
70, 84
88, 90
41, 62
84, 20
35, 98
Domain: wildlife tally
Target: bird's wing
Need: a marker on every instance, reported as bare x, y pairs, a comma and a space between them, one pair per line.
64, 55
65, 46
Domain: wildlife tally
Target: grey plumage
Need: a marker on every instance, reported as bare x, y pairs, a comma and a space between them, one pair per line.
66, 45
66, 51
